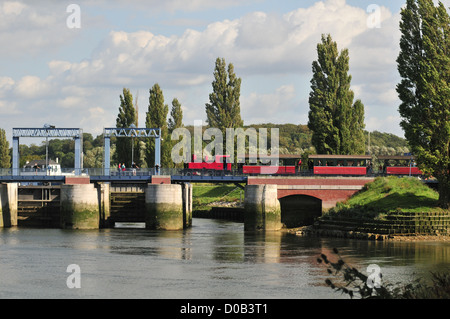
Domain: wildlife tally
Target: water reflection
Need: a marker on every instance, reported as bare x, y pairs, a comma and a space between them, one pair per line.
224, 241
213, 259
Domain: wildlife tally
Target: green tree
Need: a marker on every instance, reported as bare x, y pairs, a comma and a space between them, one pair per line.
5, 158
175, 121
223, 110
93, 158
156, 117
336, 122
424, 66
125, 118
176, 116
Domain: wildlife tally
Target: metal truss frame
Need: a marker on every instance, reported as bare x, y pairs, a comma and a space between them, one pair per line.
130, 132
75, 133
48, 132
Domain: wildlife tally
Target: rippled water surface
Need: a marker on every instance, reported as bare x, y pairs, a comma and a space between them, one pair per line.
214, 259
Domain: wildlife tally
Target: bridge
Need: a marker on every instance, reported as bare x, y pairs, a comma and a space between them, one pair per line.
271, 202
84, 197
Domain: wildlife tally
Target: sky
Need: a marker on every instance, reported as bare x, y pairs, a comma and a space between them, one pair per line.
67, 65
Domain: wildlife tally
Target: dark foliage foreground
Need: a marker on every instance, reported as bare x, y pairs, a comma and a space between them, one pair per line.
355, 284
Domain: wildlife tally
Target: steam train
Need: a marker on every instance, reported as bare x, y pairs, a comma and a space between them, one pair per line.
329, 165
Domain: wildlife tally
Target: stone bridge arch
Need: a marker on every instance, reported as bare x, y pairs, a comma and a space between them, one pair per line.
299, 210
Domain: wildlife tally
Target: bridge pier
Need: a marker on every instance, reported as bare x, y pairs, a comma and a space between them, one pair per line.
104, 203
164, 207
187, 204
262, 208
79, 206
8, 204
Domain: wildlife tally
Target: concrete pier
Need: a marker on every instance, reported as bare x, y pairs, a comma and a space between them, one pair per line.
187, 205
262, 208
164, 207
80, 207
8, 204
104, 202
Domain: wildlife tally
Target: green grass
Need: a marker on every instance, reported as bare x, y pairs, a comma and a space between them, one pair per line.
389, 195
205, 194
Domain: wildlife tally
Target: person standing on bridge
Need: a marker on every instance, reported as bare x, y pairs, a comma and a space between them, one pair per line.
134, 167
35, 167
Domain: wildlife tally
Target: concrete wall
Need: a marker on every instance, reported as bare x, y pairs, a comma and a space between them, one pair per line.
164, 207
80, 207
262, 209
8, 204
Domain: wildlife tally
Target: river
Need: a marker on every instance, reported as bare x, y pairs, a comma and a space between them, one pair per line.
213, 260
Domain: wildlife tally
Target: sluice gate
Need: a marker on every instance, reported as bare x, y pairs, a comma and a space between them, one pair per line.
39, 206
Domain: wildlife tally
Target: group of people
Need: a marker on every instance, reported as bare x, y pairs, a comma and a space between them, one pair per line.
122, 168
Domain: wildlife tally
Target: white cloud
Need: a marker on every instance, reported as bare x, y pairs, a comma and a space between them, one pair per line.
257, 43
6, 84
270, 107
32, 28
32, 87
8, 108
389, 123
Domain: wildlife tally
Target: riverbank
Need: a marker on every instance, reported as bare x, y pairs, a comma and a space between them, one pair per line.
389, 208
310, 231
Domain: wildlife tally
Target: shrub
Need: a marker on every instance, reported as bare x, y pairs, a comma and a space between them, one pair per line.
354, 283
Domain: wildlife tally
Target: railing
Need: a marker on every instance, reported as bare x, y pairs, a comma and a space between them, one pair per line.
115, 172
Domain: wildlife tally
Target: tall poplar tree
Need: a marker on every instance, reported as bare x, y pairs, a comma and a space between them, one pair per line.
424, 91
156, 117
5, 158
126, 117
224, 110
336, 122
175, 121
176, 116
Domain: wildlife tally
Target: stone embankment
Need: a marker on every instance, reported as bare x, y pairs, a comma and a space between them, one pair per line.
311, 231
399, 225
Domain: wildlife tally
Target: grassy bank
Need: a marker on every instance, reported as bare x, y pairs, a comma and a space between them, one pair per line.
205, 196
387, 195
390, 205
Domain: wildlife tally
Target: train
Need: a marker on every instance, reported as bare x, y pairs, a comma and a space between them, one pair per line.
320, 165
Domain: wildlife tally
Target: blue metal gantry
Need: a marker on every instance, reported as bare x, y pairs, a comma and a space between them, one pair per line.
131, 132
47, 131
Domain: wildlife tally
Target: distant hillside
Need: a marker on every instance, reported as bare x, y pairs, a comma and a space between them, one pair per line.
296, 139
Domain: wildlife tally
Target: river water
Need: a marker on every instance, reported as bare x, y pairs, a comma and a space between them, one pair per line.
213, 260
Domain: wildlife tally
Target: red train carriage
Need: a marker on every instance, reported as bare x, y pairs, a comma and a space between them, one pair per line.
219, 164
286, 165
399, 165
340, 164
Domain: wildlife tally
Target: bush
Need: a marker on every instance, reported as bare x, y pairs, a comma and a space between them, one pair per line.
354, 283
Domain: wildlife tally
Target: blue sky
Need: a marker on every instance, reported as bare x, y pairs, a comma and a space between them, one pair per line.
50, 73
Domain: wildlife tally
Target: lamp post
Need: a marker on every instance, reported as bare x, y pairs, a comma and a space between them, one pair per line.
132, 143
47, 126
